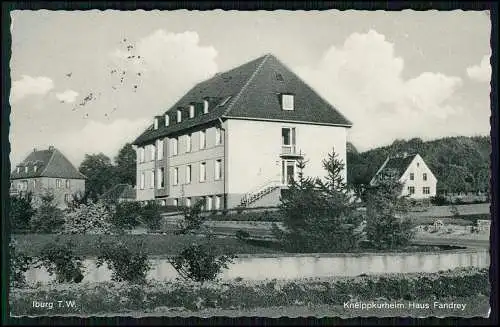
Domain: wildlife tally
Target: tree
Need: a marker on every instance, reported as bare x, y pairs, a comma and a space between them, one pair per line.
48, 218
125, 165
59, 258
386, 227
318, 215
20, 213
91, 218
101, 174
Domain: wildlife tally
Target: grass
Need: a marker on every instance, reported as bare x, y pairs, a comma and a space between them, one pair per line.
155, 244
105, 297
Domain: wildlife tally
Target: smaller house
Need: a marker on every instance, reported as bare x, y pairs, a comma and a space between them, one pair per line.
410, 169
47, 171
120, 193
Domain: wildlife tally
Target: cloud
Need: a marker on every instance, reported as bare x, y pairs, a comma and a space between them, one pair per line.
68, 96
96, 137
363, 79
481, 72
28, 85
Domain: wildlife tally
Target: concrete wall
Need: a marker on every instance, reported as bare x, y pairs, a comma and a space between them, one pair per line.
306, 266
418, 168
254, 149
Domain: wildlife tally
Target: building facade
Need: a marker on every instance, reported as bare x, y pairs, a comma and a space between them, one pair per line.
411, 170
47, 171
235, 139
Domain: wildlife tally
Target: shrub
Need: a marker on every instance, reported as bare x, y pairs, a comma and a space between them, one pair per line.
18, 265
127, 262
150, 215
318, 216
48, 218
91, 218
439, 200
59, 258
20, 213
127, 215
385, 229
200, 262
193, 220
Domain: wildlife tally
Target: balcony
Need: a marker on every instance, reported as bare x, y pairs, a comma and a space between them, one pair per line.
290, 151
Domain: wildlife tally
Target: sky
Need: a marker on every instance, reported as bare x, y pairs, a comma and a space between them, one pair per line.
89, 81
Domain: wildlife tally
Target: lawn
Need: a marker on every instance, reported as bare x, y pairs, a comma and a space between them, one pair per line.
155, 244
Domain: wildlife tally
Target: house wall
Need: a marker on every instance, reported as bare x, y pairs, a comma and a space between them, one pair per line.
254, 149
209, 154
418, 168
147, 192
38, 186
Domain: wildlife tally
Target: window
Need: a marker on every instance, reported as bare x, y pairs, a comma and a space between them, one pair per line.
411, 189
68, 183
418, 164
205, 106
159, 147
35, 168
179, 115
26, 169
191, 111
426, 190
175, 143
33, 184
188, 174
143, 180
175, 202
218, 169
188, 202
412, 176
152, 150
167, 120
203, 171
152, 180
175, 178
286, 136
161, 177
163, 203
208, 203
203, 139
67, 198
188, 143
58, 183
287, 101
156, 123
424, 176
23, 186
18, 170
279, 77
218, 136
141, 154
217, 202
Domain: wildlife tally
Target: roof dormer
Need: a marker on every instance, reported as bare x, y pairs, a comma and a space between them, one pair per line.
156, 123
191, 110
179, 115
205, 106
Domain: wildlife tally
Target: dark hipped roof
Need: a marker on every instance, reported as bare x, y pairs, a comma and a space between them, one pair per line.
120, 191
252, 90
396, 166
49, 163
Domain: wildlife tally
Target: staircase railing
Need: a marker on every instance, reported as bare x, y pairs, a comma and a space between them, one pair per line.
259, 191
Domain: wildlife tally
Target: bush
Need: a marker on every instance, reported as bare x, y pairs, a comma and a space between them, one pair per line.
150, 215
193, 220
127, 215
385, 229
19, 264
439, 200
20, 213
48, 218
267, 215
60, 259
127, 262
200, 262
91, 218
318, 216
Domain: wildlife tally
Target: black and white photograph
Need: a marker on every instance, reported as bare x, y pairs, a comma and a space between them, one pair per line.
184, 163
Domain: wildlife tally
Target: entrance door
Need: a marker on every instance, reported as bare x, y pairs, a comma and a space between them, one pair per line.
288, 172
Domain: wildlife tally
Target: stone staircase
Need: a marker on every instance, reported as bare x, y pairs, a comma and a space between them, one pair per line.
258, 193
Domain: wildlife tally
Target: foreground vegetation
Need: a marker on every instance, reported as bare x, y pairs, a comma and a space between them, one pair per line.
106, 297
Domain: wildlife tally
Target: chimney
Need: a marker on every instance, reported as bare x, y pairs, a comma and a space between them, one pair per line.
51, 148
34, 149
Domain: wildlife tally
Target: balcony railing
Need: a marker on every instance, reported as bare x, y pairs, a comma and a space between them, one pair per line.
290, 150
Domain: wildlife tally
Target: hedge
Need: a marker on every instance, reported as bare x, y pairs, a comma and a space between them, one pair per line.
109, 297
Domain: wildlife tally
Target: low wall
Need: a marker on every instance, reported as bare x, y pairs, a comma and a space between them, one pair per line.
260, 267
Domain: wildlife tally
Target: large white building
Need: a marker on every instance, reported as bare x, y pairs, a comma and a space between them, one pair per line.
235, 139
418, 180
